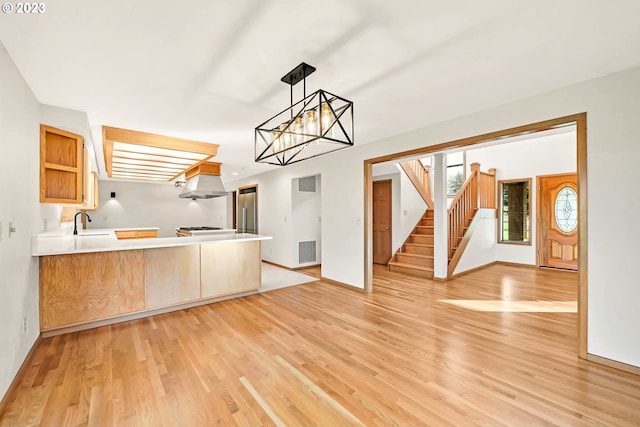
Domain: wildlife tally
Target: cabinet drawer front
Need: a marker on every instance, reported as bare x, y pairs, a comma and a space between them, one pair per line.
128, 234
147, 233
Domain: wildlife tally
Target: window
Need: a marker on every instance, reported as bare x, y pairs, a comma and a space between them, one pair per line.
566, 209
455, 172
515, 211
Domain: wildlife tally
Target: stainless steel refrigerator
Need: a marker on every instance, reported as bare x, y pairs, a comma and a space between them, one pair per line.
247, 211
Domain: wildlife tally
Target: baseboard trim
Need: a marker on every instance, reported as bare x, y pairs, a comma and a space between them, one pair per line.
302, 267
20, 374
292, 268
561, 270
613, 364
344, 285
277, 265
517, 264
481, 267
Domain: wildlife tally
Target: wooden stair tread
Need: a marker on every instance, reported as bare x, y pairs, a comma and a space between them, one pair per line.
421, 245
415, 255
406, 265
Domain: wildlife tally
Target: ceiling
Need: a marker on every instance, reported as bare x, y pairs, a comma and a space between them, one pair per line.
210, 71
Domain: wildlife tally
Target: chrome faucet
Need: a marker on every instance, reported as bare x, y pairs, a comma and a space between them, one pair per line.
75, 225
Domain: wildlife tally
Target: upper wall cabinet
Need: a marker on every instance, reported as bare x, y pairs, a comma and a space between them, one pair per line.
61, 166
91, 200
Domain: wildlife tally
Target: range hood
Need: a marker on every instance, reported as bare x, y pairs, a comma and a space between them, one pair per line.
203, 182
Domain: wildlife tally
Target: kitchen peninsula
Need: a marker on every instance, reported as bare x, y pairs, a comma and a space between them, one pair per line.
94, 279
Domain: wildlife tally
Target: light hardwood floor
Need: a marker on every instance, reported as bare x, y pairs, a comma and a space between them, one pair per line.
322, 354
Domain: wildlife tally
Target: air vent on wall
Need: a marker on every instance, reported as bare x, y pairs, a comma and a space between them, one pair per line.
306, 252
307, 184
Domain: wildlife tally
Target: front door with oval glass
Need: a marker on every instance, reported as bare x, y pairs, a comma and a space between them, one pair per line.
558, 221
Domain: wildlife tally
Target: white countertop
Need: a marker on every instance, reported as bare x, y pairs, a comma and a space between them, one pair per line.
104, 240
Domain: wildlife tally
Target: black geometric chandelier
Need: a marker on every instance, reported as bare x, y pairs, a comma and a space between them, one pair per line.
317, 124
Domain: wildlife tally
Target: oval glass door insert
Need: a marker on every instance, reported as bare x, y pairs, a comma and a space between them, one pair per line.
566, 209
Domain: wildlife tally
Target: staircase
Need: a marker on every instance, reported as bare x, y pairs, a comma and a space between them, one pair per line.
416, 254
478, 191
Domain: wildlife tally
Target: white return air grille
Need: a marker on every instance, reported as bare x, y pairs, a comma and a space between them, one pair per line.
306, 252
307, 184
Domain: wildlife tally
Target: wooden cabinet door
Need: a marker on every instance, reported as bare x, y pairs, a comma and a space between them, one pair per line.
61, 166
230, 267
78, 288
89, 187
92, 201
172, 275
558, 221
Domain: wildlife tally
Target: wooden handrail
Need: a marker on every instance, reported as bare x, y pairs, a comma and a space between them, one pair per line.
478, 191
418, 174
487, 188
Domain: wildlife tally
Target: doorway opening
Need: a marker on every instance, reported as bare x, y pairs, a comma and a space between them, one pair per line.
579, 121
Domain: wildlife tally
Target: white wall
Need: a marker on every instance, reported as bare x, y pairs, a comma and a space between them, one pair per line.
19, 204
481, 249
544, 155
306, 218
611, 103
154, 205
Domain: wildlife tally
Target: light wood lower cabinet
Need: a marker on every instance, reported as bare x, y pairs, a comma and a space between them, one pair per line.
172, 275
81, 288
229, 268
